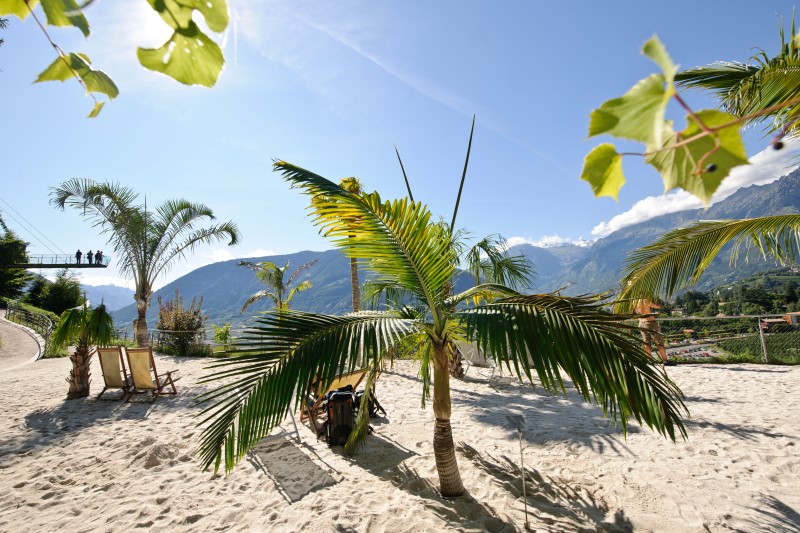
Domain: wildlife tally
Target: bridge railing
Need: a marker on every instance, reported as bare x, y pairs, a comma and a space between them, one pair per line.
64, 259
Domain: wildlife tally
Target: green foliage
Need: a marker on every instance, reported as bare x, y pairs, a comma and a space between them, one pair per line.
189, 56
64, 293
545, 335
84, 327
13, 250
146, 242
272, 275
222, 334
677, 259
181, 330
696, 159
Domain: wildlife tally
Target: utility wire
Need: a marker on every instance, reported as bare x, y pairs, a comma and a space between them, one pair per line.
33, 227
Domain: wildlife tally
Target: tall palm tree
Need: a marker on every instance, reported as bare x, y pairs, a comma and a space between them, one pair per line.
353, 185
745, 89
85, 327
272, 275
546, 333
678, 258
146, 243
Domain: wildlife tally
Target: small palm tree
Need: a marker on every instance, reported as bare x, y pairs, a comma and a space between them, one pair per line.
86, 328
272, 275
146, 243
545, 334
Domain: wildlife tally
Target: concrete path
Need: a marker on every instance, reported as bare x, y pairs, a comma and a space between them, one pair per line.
18, 344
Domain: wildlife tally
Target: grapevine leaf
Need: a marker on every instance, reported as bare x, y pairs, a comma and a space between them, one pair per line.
656, 51
189, 56
685, 167
17, 8
178, 13
56, 13
638, 115
602, 168
96, 81
96, 110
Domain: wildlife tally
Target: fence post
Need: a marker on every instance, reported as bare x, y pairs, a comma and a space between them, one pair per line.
763, 342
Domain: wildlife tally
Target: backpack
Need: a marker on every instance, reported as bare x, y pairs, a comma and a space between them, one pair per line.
339, 405
374, 406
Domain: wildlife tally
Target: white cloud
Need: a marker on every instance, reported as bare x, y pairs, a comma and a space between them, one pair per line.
767, 166
548, 241
221, 254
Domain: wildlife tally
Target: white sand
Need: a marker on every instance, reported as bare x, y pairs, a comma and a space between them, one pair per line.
89, 465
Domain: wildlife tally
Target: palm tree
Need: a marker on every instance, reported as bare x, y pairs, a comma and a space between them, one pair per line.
85, 327
147, 243
754, 88
544, 333
272, 275
678, 258
352, 185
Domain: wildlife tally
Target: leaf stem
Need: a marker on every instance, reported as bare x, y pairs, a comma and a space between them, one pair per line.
60, 52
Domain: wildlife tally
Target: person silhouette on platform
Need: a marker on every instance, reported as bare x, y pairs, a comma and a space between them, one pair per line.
89, 257
98, 257
78, 255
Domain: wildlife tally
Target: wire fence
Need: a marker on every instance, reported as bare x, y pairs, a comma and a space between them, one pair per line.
766, 339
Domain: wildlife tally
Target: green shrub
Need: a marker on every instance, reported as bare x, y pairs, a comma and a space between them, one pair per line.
181, 331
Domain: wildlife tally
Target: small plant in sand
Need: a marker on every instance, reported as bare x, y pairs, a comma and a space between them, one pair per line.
86, 328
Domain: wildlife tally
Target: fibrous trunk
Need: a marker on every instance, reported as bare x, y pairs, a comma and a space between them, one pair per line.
79, 375
456, 363
443, 447
354, 285
140, 325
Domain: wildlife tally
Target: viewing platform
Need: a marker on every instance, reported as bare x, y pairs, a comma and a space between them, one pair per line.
62, 261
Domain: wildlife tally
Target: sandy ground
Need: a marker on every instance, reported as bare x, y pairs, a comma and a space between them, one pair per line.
96, 465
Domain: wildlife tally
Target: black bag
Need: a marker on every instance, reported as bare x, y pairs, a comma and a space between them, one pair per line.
340, 406
373, 407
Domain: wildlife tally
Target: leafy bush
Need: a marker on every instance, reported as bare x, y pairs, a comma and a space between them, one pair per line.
181, 331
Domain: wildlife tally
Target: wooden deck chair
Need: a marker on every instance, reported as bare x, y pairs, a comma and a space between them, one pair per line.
115, 374
144, 376
312, 404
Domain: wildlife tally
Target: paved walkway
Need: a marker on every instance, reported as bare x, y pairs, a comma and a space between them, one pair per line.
18, 345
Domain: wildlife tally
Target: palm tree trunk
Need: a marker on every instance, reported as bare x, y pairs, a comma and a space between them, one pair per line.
443, 448
354, 285
79, 375
140, 324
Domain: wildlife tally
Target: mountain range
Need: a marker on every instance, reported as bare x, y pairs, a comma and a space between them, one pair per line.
225, 286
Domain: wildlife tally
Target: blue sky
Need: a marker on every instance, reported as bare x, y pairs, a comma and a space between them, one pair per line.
334, 87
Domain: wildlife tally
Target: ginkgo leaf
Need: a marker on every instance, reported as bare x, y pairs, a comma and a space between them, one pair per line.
65, 13
688, 166
18, 8
602, 168
178, 13
189, 56
64, 68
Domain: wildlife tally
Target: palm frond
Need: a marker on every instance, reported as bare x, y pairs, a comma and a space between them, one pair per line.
597, 350
678, 258
484, 291
397, 237
276, 361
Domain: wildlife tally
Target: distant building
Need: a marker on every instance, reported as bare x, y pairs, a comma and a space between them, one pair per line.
792, 318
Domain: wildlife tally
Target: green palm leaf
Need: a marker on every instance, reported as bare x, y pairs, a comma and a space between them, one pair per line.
678, 258
596, 349
397, 237
277, 360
